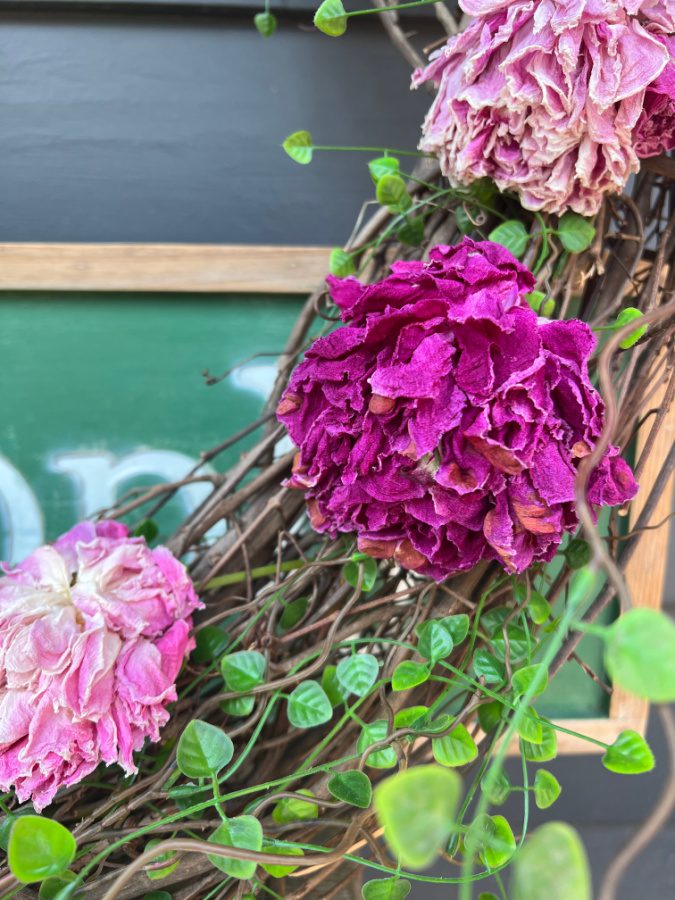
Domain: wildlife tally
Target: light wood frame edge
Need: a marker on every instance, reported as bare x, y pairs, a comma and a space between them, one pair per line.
212, 268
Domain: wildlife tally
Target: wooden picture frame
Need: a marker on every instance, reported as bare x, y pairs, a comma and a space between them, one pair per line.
297, 270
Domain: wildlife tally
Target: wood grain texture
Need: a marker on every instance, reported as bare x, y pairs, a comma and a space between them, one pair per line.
203, 268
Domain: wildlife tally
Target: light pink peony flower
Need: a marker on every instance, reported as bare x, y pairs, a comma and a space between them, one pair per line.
93, 632
551, 98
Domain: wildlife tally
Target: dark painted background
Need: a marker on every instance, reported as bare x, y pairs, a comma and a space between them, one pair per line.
127, 126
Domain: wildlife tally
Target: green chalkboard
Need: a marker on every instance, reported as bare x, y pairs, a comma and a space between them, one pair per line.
102, 392
105, 392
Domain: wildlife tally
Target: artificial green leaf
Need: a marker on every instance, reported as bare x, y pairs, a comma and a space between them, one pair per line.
334, 690
546, 789
630, 314
425, 725
411, 233
52, 887
487, 895
391, 192
293, 612
534, 298
545, 750
308, 705
457, 625
341, 263
531, 728
330, 18
239, 706
39, 848
203, 750
547, 308
244, 832
275, 869
409, 715
384, 165
629, 754
454, 749
155, 874
357, 674
352, 569
493, 619
538, 608
299, 147
386, 889
496, 789
417, 809
487, 666
464, 219
7, 822
576, 233
434, 641
578, 553
409, 674
552, 865
370, 734
243, 670
157, 895
146, 529
523, 678
292, 809
211, 642
519, 646
265, 23
484, 190
351, 787
490, 715
492, 839
511, 234
640, 654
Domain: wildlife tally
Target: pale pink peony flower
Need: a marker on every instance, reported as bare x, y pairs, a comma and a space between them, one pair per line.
93, 632
544, 96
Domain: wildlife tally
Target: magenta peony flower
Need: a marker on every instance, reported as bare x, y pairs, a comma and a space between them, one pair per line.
93, 632
554, 99
445, 422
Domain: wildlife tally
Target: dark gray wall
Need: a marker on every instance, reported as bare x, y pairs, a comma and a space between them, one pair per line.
168, 128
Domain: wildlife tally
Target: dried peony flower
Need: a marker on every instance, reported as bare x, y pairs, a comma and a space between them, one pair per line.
93, 632
445, 422
554, 99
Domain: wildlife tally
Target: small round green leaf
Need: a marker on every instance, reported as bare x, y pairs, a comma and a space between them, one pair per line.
578, 553
409, 716
274, 869
370, 734
434, 641
552, 865
457, 626
299, 147
490, 715
386, 889
51, 888
330, 18
341, 263
203, 750
155, 874
629, 755
243, 670
352, 570
465, 217
546, 789
543, 751
334, 690
531, 728
265, 23
523, 678
630, 314
454, 749
39, 848
146, 529
158, 895
417, 808
244, 832
391, 192
357, 674
576, 233
547, 308
411, 233
211, 642
492, 839
513, 235
534, 299
496, 789
384, 165
239, 706
640, 654
292, 614
308, 705
292, 809
351, 787
538, 608
487, 666
409, 674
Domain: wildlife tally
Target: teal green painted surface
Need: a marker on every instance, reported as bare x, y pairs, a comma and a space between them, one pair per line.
104, 392
95, 383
